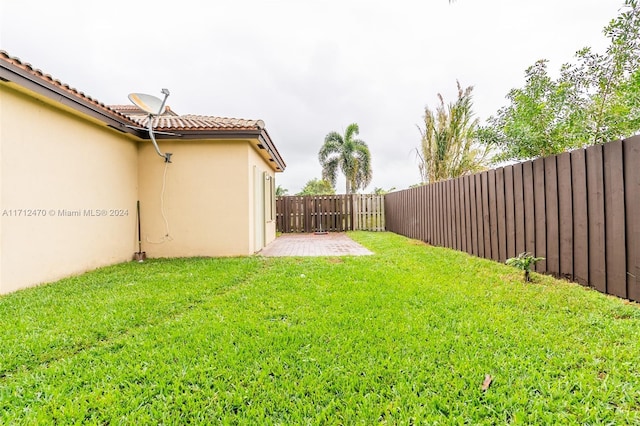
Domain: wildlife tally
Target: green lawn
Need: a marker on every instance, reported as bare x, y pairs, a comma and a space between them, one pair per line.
402, 337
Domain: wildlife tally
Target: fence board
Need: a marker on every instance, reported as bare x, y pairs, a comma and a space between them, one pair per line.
551, 215
614, 219
473, 202
529, 210
429, 221
434, 215
580, 217
540, 215
595, 211
440, 212
502, 219
493, 216
424, 212
467, 212
565, 210
452, 214
445, 213
416, 213
462, 215
410, 223
509, 211
632, 205
309, 219
457, 210
518, 196
482, 237
486, 214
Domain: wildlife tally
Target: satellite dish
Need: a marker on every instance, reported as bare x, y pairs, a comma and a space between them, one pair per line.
148, 103
152, 106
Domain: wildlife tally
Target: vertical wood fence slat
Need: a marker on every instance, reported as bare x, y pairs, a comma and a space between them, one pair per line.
486, 216
614, 219
565, 208
580, 217
423, 213
463, 214
502, 217
467, 213
438, 215
441, 215
540, 214
435, 208
632, 206
551, 214
493, 216
595, 212
529, 210
509, 211
518, 195
473, 215
479, 214
458, 210
451, 214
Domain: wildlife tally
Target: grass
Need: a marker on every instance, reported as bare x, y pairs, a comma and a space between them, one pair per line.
402, 337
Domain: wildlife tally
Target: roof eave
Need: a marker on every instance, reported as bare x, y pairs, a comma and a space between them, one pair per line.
13, 74
261, 135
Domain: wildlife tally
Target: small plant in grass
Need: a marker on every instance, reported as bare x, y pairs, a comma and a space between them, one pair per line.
524, 261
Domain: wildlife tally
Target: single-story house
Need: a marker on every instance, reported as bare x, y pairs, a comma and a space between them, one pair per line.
73, 171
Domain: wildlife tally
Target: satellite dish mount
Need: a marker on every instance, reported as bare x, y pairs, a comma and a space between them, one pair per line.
152, 106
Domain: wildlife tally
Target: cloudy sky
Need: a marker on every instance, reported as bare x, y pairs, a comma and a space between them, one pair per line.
305, 67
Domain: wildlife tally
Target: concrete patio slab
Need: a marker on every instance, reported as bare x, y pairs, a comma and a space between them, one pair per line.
331, 244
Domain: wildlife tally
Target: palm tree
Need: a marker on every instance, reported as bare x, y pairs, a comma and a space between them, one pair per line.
280, 191
348, 154
449, 148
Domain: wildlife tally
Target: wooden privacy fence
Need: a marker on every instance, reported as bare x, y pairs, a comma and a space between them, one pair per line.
579, 210
313, 213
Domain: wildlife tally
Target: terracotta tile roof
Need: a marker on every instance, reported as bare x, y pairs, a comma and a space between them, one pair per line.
169, 120
47, 78
131, 110
198, 122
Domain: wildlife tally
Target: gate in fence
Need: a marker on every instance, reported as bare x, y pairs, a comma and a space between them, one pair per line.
330, 213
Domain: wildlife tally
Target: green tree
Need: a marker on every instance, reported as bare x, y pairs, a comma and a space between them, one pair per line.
317, 187
382, 191
543, 118
610, 75
594, 100
350, 155
280, 191
448, 147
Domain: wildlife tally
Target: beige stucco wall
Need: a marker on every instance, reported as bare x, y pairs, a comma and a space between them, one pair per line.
69, 186
67, 170
208, 198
